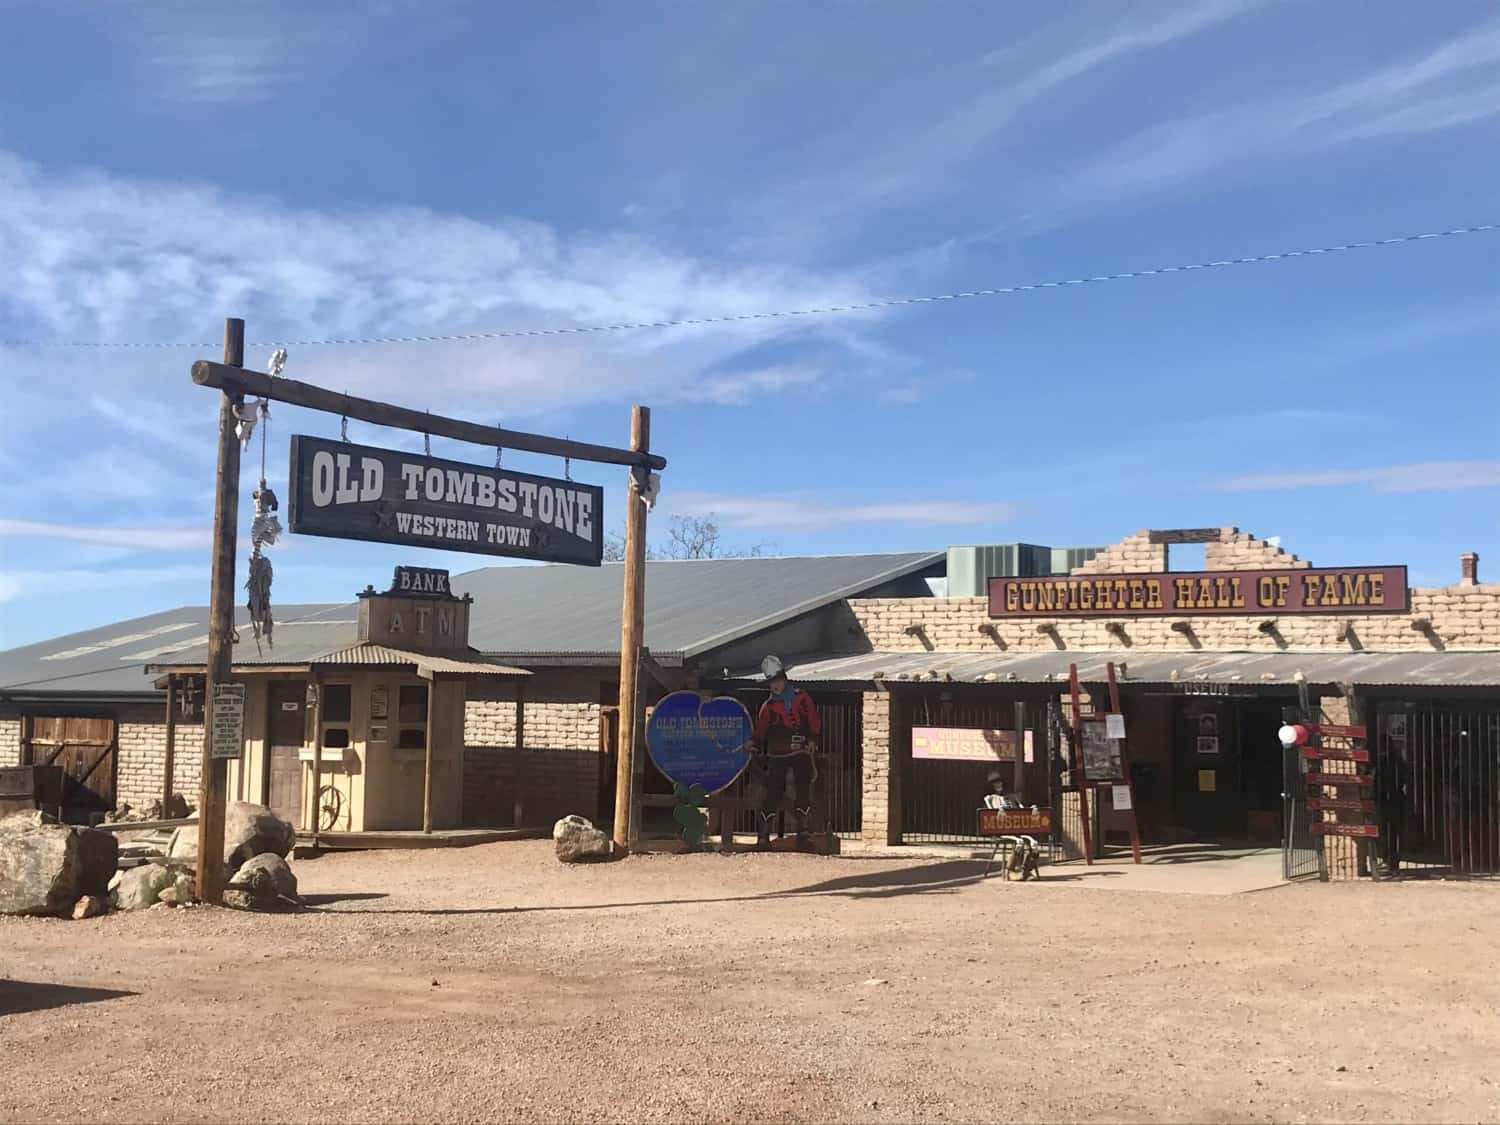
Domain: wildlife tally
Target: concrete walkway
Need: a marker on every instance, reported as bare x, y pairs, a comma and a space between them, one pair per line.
1197, 869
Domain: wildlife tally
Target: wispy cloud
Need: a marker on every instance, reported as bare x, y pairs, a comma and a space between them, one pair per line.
740, 388
143, 538
194, 252
796, 513
1432, 476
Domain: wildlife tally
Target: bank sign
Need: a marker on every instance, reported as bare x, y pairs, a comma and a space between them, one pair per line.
346, 491
1314, 590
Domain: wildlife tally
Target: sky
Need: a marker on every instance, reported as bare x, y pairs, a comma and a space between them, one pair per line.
348, 170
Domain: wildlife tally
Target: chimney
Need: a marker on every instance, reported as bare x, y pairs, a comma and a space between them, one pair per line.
1468, 564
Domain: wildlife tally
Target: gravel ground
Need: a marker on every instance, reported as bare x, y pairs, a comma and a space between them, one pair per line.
492, 983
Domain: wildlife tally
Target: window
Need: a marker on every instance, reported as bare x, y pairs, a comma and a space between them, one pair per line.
411, 713
337, 714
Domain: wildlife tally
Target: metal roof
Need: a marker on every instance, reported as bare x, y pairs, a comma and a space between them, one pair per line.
1445, 669
548, 614
692, 606
112, 659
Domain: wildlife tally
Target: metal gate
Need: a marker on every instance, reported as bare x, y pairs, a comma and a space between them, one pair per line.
940, 799
1438, 787
1301, 851
838, 792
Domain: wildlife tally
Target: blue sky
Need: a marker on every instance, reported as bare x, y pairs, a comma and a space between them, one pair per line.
387, 168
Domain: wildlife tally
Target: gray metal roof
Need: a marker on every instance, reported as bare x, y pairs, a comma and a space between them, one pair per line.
112, 659
692, 606
551, 613
1445, 669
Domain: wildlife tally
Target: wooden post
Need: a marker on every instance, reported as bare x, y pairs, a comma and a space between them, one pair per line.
317, 762
1080, 780
1114, 706
632, 613
166, 781
1023, 771
212, 789
28, 751
427, 768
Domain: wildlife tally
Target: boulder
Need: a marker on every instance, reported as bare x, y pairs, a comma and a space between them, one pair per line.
578, 841
176, 808
44, 868
141, 887
183, 889
251, 830
90, 906
184, 843
267, 880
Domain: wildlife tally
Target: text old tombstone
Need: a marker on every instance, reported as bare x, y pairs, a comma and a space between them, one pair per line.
346, 491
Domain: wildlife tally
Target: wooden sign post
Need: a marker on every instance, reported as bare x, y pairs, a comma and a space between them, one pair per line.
632, 625
1101, 761
235, 384
213, 786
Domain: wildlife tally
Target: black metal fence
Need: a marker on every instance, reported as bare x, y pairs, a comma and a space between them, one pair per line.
940, 799
1438, 787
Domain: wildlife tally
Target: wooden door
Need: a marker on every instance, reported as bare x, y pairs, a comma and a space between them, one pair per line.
85, 749
287, 702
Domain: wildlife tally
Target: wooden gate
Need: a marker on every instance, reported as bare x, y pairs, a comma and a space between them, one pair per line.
85, 749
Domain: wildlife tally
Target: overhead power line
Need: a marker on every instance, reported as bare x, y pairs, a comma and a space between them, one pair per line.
826, 310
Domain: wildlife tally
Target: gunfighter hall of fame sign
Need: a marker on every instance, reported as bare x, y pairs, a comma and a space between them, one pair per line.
347, 491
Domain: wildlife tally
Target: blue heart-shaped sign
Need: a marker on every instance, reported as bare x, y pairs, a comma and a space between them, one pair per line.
697, 741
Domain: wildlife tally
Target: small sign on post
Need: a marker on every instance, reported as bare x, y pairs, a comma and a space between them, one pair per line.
228, 720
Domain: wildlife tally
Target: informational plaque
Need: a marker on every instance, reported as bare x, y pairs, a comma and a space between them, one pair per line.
228, 721
1101, 754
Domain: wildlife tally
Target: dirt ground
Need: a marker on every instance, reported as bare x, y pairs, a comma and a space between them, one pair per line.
492, 983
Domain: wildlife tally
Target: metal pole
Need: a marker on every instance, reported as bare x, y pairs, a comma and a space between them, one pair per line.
213, 786
171, 764
632, 613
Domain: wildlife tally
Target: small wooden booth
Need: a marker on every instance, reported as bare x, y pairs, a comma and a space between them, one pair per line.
367, 736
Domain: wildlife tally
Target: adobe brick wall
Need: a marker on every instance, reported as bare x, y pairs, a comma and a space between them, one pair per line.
555, 768
1461, 617
1236, 550
1132, 555
141, 762
876, 823
10, 742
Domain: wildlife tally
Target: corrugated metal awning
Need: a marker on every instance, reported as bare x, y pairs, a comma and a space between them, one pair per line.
1435, 669
365, 655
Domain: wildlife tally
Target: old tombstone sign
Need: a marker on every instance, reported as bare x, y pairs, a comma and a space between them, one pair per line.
228, 718
699, 741
346, 491
966, 744
1322, 590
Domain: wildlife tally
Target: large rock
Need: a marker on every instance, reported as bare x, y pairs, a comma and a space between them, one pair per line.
45, 868
251, 830
578, 841
267, 880
141, 887
90, 906
184, 843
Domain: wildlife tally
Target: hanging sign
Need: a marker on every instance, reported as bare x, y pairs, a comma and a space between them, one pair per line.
347, 491
699, 741
1353, 589
966, 744
228, 721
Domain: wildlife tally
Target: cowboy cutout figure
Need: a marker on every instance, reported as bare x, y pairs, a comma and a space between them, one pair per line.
786, 734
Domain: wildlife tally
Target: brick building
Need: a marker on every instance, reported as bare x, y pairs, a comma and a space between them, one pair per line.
1205, 675
523, 721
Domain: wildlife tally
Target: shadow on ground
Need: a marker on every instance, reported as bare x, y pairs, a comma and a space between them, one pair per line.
18, 996
933, 878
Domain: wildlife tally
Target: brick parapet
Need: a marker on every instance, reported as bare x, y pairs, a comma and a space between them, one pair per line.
10, 742
1460, 618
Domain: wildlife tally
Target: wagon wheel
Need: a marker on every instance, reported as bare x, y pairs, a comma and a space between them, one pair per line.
330, 807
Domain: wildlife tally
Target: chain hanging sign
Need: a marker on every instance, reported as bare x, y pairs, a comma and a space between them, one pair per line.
346, 491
